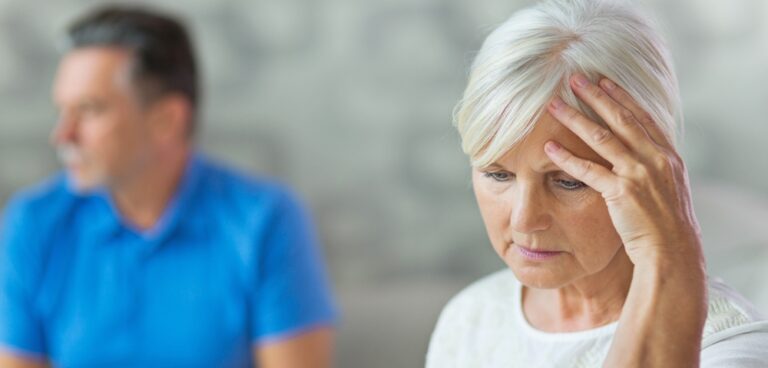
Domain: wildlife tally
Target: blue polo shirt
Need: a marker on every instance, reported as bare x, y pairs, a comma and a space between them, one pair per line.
234, 262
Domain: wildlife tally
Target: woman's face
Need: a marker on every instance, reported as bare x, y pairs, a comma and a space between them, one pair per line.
549, 228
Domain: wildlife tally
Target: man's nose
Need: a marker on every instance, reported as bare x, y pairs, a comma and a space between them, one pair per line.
65, 130
529, 213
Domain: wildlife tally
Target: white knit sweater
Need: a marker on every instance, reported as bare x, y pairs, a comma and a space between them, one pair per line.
484, 326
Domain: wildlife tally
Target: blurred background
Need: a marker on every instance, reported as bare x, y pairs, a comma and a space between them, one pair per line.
350, 102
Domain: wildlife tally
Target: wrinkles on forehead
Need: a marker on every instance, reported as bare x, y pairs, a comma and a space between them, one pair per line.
528, 153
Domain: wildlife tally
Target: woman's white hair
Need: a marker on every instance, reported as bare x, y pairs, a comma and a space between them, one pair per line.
530, 57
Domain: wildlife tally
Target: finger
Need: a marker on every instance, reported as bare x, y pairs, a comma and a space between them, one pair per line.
622, 97
596, 176
620, 119
599, 138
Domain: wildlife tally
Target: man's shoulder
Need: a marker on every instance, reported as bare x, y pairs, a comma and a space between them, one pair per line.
243, 198
31, 216
222, 179
42, 200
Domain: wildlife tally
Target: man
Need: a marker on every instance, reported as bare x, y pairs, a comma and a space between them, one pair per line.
144, 253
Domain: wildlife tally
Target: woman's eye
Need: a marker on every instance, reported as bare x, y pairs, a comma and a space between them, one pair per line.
570, 184
498, 176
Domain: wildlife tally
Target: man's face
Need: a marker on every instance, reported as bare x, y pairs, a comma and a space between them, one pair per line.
102, 134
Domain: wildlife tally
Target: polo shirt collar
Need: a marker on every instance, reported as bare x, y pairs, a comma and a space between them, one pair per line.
108, 221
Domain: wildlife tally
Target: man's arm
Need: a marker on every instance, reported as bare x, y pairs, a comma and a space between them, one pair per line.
9, 360
293, 309
313, 349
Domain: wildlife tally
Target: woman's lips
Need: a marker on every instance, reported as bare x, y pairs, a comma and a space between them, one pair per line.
536, 254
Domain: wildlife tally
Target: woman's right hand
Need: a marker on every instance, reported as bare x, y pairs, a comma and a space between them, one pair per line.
646, 191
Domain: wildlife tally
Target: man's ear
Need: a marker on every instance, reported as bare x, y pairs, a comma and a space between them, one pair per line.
171, 118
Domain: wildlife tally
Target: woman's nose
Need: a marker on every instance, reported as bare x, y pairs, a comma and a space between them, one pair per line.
528, 211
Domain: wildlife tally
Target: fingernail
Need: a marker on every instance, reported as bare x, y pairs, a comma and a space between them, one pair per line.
607, 84
581, 81
552, 147
557, 103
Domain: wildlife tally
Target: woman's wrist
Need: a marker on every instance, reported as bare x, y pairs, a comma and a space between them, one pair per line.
679, 277
669, 258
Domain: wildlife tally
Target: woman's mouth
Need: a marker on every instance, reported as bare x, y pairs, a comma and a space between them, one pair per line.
536, 255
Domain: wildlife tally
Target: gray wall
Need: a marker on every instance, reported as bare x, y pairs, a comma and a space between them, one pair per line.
350, 101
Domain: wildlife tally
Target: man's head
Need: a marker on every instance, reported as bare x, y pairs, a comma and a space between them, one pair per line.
127, 93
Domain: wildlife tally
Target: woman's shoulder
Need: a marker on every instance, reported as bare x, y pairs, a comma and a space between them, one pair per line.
485, 301
729, 314
472, 320
498, 288
735, 334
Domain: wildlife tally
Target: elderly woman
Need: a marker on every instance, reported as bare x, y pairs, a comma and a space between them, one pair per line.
569, 121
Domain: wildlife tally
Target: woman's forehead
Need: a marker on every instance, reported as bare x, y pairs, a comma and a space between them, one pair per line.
529, 152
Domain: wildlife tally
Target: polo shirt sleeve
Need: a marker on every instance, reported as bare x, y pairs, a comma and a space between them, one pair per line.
20, 327
292, 292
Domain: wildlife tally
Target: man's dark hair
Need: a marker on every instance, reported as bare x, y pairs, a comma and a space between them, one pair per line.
164, 60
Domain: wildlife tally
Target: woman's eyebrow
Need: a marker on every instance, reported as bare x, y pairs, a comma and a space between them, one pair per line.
544, 167
494, 166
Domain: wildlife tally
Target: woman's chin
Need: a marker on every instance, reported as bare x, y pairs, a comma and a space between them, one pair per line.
540, 276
